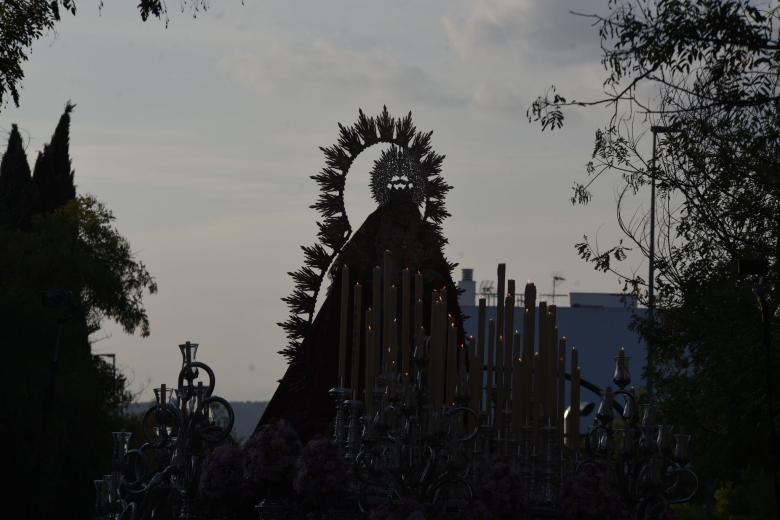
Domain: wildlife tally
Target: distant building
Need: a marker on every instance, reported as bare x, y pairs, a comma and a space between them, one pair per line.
596, 323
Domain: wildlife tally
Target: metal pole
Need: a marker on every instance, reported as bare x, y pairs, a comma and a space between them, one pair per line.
651, 274
655, 129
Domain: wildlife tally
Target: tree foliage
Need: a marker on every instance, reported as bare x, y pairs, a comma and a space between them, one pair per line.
64, 268
22, 22
706, 74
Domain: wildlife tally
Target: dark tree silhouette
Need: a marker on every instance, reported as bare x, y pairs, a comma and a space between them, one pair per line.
62, 272
16, 187
52, 175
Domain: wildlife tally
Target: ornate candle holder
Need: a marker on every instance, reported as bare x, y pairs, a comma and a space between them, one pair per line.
178, 429
644, 460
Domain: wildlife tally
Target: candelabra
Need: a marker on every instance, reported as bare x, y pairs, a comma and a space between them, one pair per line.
644, 461
437, 456
178, 429
410, 449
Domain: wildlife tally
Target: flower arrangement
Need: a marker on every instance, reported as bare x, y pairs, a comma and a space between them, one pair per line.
322, 473
270, 458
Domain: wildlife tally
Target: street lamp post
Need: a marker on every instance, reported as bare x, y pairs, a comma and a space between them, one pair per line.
655, 129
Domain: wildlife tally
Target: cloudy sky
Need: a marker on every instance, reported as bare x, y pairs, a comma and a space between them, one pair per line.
201, 138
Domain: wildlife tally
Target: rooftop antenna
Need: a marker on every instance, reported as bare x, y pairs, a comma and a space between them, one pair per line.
487, 291
556, 279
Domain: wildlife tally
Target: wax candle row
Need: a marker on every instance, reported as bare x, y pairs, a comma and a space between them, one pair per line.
501, 371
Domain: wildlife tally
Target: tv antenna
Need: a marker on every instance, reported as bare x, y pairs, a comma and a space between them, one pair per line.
556, 279
487, 290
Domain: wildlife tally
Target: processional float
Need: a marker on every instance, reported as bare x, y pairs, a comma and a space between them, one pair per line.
419, 411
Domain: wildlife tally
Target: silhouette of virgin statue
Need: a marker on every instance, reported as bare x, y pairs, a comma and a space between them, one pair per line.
406, 185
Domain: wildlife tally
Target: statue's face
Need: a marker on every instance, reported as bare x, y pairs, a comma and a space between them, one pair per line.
399, 181
394, 175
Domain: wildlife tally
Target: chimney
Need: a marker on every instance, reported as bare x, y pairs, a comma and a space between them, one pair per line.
469, 288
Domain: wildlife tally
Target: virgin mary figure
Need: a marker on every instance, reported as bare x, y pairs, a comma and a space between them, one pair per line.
405, 228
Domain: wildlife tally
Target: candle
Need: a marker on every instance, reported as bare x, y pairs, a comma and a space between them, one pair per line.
419, 342
517, 366
452, 360
444, 324
561, 390
436, 346
561, 376
500, 302
534, 411
475, 374
372, 362
356, 334
552, 363
509, 342
489, 391
462, 367
574, 425
481, 348
343, 320
386, 319
500, 388
376, 305
418, 300
392, 333
529, 332
540, 364
406, 330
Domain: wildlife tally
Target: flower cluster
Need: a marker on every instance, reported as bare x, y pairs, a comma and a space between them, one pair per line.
588, 495
222, 474
271, 453
321, 471
502, 490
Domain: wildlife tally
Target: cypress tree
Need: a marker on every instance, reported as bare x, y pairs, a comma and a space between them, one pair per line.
53, 176
16, 190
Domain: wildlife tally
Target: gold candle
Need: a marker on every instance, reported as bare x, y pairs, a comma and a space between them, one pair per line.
501, 274
481, 347
356, 333
418, 300
574, 415
490, 396
436, 346
462, 370
406, 330
534, 411
372, 363
376, 305
500, 389
343, 321
452, 361
392, 336
540, 365
509, 342
552, 363
561, 393
517, 368
444, 324
475, 374
529, 331
386, 319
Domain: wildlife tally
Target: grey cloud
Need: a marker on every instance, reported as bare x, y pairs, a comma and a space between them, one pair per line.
540, 31
324, 67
